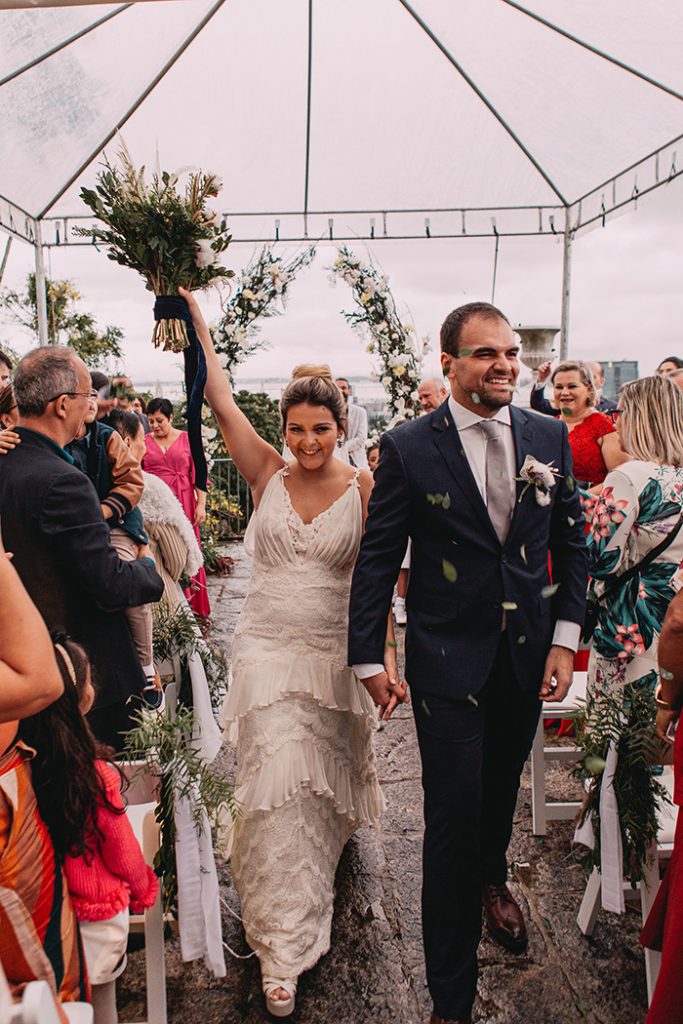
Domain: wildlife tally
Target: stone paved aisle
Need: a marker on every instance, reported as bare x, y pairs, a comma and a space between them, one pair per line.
374, 972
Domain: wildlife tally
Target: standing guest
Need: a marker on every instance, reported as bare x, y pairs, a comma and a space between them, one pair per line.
670, 364
540, 404
53, 523
105, 400
168, 456
356, 427
306, 775
664, 927
38, 928
9, 416
172, 541
485, 646
432, 393
373, 457
100, 453
79, 798
5, 369
139, 407
593, 440
640, 505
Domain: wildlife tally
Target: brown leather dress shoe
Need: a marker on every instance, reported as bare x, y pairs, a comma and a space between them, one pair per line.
504, 919
435, 1019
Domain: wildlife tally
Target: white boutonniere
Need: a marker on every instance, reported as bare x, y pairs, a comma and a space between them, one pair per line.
539, 475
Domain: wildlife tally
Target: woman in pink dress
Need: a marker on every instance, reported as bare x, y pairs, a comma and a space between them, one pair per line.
168, 457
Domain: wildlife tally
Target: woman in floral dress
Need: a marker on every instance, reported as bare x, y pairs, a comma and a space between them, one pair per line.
639, 504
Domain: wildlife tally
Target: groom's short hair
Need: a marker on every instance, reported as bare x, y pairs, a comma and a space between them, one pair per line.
451, 329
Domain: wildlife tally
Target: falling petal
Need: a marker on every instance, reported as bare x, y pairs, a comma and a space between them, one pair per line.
473, 700
566, 411
449, 571
571, 483
510, 606
572, 522
551, 589
392, 643
464, 352
443, 653
665, 674
425, 708
446, 501
521, 639
522, 552
475, 398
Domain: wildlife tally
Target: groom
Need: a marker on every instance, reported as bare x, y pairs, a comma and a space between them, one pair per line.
488, 637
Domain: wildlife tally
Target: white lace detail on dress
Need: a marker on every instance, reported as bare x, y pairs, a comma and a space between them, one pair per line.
306, 774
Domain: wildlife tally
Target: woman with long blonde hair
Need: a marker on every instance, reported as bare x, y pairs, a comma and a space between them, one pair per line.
302, 722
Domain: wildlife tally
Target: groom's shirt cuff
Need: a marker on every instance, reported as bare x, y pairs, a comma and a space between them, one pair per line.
567, 634
366, 670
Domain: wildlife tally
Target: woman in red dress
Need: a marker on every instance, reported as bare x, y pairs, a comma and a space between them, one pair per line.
664, 926
168, 457
592, 437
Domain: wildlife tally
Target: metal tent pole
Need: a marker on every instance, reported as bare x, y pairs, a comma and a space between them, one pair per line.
41, 303
566, 285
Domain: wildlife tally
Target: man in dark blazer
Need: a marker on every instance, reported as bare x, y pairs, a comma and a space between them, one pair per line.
489, 638
52, 522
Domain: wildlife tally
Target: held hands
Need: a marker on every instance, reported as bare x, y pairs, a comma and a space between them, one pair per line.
558, 674
386, 693
665, 719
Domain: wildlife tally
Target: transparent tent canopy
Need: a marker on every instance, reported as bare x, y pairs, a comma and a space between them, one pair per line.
347, 120
326, 108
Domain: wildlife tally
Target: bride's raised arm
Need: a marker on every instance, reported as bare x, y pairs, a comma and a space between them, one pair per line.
255, 458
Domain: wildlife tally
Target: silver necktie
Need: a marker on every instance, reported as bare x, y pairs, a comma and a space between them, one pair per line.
499, 492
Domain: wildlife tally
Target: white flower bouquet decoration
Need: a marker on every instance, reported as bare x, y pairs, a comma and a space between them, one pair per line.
171, 237
393, 341
541, 476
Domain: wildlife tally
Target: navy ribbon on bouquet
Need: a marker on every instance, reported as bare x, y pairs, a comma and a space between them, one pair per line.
174, 307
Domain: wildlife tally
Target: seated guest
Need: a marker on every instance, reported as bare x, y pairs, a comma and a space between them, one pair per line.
38, 929
53, 524
664, 927
432, 393
168, 456
79, 798
540, 404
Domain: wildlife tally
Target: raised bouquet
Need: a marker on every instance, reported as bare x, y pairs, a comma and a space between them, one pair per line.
170, 236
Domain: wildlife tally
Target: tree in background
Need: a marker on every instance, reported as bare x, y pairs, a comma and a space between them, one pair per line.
65, 321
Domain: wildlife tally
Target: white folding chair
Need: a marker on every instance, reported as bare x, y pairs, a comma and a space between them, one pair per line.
542, 809
646, 890
140, 797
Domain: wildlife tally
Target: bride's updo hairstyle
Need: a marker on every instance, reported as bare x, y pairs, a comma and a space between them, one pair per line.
315, 385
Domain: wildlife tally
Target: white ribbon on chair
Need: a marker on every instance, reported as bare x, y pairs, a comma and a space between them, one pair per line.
611, 848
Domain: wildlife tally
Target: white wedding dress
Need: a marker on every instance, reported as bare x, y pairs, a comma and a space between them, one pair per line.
303, 724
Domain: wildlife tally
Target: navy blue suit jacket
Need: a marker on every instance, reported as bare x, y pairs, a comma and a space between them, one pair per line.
454, 624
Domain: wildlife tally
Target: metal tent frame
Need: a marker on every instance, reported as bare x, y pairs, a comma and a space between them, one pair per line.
569, 216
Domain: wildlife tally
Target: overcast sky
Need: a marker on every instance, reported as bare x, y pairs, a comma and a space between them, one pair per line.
627, 294
392, 125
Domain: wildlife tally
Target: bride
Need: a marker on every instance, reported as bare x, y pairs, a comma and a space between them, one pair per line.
303, 724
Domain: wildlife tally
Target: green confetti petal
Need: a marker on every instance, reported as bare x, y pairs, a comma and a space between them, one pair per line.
521, 639
551, 589
665, 674
572, 522
425, 708
522, 552
475, 398
510, 606
446, 501
571, 483
449, 571
473, 700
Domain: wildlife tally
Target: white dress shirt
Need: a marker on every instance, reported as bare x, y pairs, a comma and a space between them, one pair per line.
357, 435
473, 440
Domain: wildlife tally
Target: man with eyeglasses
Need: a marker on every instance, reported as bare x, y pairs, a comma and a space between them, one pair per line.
52, 522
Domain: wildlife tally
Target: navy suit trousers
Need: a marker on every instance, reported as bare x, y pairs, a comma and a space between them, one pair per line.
473, 752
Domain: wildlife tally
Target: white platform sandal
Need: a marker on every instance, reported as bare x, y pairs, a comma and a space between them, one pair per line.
279, 1007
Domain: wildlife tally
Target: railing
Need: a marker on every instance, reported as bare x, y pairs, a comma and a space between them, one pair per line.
230, 492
